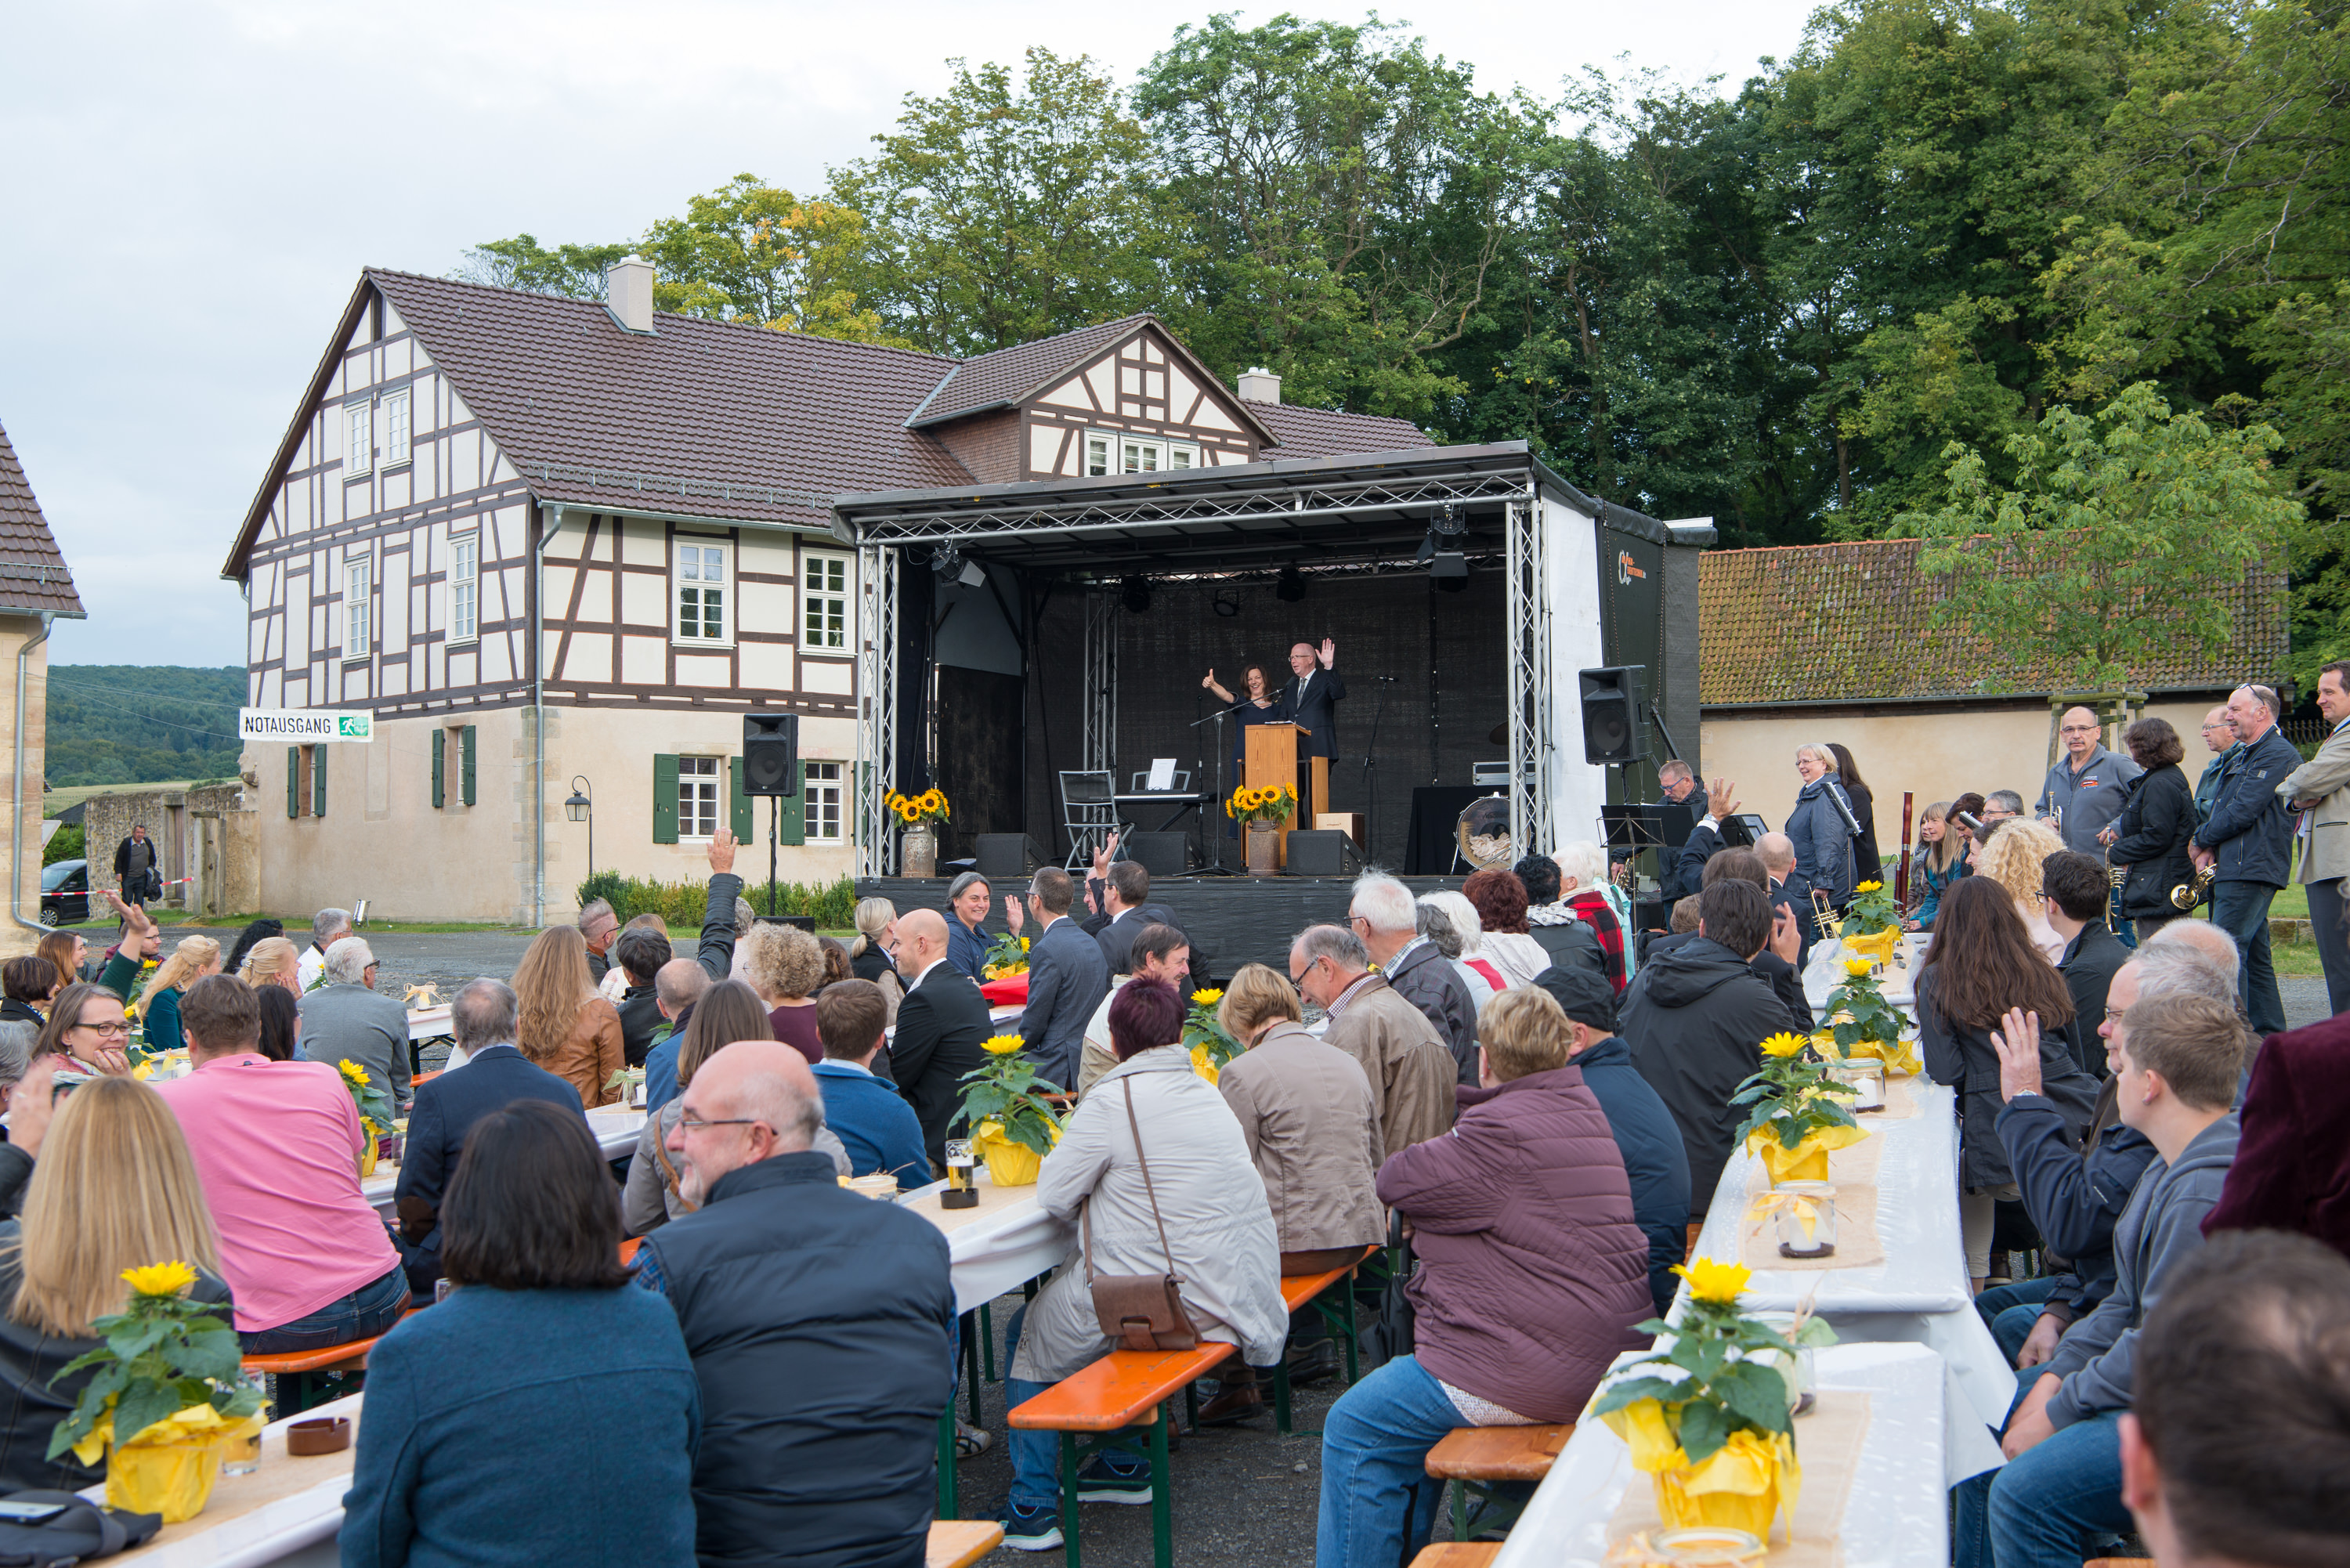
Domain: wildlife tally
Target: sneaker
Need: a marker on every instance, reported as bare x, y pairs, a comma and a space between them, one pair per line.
1114, 1478
1030, 1529
971, 1441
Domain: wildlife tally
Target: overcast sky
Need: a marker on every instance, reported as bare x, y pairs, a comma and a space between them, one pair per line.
191, 190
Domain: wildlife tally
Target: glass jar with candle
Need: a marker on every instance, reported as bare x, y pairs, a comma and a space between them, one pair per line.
1799, 1367
963, 1187
1804, 1212
1865, 1078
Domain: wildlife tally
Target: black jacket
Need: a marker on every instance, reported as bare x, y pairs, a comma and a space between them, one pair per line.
15, 1010
2075, 1196
640, 1010
2251, 827
1866, 858
1961, 1056
2157, 823
1313, 710
1572, 943
821, 1325
1796, 893
1772, 970
1116, 935
2089, 967
1688, 867
1426, 978
940, 1025
1654, 1156
640, 1020
446, 1108
1696, 1018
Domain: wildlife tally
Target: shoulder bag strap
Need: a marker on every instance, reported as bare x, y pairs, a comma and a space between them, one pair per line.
1150, 1191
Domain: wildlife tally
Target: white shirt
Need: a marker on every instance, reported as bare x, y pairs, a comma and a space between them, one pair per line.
309, 967
926, 973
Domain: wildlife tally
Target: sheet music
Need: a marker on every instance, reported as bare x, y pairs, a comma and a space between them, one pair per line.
1162, 775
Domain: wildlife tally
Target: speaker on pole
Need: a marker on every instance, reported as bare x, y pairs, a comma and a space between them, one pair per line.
1615, 728
771, 753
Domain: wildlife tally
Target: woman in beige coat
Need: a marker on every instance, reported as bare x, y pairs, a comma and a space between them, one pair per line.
567, 1028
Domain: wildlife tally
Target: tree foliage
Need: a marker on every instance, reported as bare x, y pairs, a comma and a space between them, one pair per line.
113, 723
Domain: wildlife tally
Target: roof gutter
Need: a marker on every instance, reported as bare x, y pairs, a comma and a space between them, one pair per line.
17, 828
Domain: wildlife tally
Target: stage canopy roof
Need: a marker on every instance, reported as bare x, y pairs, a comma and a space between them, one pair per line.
1331, 512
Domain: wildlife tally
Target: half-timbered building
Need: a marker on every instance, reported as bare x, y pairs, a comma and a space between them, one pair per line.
545, 540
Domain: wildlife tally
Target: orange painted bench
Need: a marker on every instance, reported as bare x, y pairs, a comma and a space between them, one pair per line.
959, 1542
303, 1370
1470, 1454
1457, 1554
1300, 1290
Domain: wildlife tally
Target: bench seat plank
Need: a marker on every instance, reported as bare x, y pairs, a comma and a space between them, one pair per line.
1498, 1453
1117, 1390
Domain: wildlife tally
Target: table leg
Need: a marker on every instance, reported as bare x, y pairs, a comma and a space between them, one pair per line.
1069, 1500
1281, 1393
1162, 1506
971, 1355
987, 1341
1460, 1510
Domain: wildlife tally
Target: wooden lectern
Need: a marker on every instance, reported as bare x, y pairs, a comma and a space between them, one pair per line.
1272, 760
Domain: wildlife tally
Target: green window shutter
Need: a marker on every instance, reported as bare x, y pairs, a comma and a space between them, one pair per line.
466, 763
791, 810
738, 805
438, 736
293, 781
317, 781
664, 798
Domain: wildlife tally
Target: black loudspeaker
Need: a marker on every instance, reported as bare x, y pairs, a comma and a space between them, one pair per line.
1003, 857
1319, 852
1614, 721
771, 753
1161, 854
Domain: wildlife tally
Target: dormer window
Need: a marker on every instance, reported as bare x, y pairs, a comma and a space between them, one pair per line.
1137, 454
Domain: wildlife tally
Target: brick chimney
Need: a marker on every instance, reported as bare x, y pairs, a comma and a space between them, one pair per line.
629, 293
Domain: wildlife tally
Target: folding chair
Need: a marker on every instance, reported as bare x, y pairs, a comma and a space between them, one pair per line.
1088, 813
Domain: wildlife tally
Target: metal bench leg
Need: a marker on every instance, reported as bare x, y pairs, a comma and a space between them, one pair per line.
1460, 1511
987, 1341
1069, 1554
948, 1502
971, 1355
1352, 1371
1281, 1393
1162, 1505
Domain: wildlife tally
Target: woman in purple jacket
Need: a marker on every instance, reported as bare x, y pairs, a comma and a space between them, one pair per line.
1531, 1277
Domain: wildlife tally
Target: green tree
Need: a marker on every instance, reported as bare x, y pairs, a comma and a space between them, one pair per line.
753, 252
573, 271
1002, 212
2154, 508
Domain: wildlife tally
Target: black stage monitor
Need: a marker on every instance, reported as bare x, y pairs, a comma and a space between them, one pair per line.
771, 753
1161, 854
1614, 721
1317, 852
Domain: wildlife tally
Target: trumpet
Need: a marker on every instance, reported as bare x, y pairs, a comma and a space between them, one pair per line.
2187, 895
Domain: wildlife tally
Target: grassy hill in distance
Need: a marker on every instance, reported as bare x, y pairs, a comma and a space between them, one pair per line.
128, 725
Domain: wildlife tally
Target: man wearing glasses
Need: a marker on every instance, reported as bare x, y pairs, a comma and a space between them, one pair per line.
2087, 787
2219, 739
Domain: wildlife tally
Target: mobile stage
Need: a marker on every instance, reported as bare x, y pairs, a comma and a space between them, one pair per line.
1012, 632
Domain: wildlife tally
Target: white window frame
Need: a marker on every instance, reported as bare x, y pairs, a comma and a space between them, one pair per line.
821, 805
358, 446
679, 586
358, 607
1099, 447
820, 604
1165, 454
464, 587
693, 773
398, 429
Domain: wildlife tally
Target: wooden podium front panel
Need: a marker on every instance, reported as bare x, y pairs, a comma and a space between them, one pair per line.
1271, 761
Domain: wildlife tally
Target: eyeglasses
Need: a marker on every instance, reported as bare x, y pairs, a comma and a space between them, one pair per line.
115, 1028
2079, 730
2223, 724
695, 1124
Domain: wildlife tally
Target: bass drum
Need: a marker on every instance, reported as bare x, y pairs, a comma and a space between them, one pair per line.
1483, 834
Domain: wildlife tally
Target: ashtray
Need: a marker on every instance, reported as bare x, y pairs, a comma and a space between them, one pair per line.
326, 1435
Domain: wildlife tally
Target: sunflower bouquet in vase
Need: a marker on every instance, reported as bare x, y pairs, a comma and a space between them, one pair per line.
1862, 1024
1204, 1036
918, 850
1800, 1112
1872, 924
168, 1397
375, 1111
1713, 1425
1006, 956
1263, 812
1012, 1126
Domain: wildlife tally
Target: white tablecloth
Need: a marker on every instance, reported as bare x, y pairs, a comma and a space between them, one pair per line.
297, 1532
999, 1253
1899, 983
1920, 1294
1894, 1516
616, 1128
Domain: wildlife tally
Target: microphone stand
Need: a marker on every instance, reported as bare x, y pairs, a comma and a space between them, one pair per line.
1210, 835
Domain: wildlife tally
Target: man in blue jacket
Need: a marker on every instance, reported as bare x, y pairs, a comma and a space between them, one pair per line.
872, 1120
2249, 837
1067, 978
1655, 1159
2062, 1488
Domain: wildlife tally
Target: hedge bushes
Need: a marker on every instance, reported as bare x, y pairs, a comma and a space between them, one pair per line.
680, 904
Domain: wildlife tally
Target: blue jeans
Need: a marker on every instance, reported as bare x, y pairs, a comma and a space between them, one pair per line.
2010, 1311
1036, 1455
2242, 909
1379, 1502
367, 1312
2048, 1509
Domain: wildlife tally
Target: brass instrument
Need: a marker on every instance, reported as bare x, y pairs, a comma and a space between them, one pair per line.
2187, 895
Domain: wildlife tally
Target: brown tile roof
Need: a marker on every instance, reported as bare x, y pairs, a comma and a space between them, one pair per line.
1854, 623
1012, 375
32, 572
1321, 432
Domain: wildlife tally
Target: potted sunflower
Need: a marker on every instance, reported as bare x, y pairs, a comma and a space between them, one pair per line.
375, 1112
1204, 1036
1264, 811
1862, 1023
1014, 1126
1800, 1112
1713, 1426
917, 851
1872, 924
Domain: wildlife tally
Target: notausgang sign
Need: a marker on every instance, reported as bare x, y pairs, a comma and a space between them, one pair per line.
304, 726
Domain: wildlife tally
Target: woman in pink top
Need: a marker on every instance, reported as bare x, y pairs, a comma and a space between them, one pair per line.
278, 1147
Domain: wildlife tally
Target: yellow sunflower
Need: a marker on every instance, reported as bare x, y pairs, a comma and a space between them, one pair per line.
1869, 887
1208, 997
934, 800
1857, 967
1000, 1044
1783, 1044
1713, 1282
160, 1279
354, 1074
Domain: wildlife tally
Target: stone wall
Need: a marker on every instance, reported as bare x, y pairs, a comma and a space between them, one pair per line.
204, 841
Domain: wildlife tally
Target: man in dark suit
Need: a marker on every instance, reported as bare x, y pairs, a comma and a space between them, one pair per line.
1314, 685
940, 1025
2073, 889
1067, 978
1125, 888
485, 1018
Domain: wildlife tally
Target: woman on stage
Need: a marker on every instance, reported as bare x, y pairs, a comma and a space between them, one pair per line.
1263, 705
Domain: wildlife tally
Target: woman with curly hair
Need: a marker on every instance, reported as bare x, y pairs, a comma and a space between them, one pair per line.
565, 1026
786, 967
2012, 856
1500, 899
158, 1004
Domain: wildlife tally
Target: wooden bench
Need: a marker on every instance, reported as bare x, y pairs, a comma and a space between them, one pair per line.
1125, 1388
959, 1542
2120, 1562
1468, 1454
308, 1369
1457, 1554
1298, 1293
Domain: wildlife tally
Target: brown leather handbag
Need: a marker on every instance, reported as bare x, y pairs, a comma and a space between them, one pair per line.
1142, 1311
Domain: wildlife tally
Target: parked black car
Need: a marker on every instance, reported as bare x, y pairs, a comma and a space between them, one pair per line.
65, 893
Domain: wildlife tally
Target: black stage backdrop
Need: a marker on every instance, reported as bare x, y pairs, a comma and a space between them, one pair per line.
1444, 653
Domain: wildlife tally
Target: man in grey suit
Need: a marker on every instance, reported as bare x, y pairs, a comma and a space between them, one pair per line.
2320, 791
1067, 978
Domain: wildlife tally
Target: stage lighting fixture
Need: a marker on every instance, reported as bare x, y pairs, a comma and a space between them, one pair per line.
1289, 586
1134, 593
1226, 602
1449, 570
949, 564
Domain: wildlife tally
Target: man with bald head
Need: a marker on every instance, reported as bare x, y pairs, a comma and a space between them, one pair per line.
1790, 890
2248, 840
2086, 788
940, 1025
677, 986
821, 1325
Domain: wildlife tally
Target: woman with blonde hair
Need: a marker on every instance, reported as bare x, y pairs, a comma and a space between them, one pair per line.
565, 1027
1940, 860
786, 967
112, 1188
1823, 825
273, 960
872, 955
2012, 857
158, 1004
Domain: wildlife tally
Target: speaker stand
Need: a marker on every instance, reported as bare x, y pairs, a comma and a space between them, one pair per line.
774, 806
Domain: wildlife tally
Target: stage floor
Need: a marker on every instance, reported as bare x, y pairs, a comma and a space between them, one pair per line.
1232, 920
